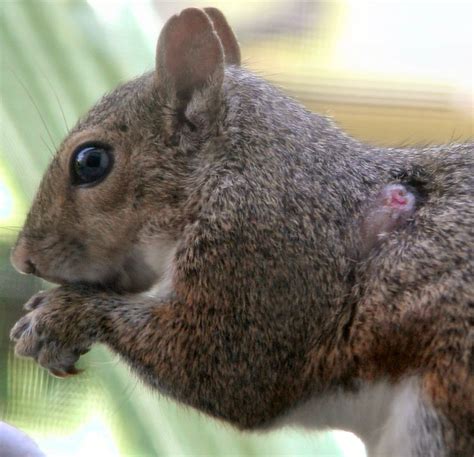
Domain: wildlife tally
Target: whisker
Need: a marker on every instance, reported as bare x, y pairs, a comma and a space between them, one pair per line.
11, 229
34, 104
48, 147
48, 246
56, 97
125, 396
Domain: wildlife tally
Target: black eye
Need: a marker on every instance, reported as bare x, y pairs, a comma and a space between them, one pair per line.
90, 164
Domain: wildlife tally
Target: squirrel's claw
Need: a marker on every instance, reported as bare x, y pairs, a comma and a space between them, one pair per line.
19, 329
35, 301
66, 373
40, 335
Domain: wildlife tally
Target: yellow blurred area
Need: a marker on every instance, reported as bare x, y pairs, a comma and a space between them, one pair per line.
388, 72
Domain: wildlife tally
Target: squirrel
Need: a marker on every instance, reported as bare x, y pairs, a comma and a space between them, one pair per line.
248, 258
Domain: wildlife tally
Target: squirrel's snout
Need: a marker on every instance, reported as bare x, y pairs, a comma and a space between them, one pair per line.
21, 260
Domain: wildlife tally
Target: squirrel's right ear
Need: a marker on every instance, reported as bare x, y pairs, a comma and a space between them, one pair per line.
226, 35
189, 58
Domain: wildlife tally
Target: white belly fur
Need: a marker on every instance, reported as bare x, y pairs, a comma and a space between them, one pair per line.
159, 255
389, 419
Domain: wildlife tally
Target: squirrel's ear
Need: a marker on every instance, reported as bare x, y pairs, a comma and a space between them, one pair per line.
226, 35
189, 56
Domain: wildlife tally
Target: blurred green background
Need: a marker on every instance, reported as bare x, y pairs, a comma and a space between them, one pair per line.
389, 72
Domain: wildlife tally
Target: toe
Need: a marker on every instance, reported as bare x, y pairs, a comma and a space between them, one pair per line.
58, 359
28, 346
66, 372
20, 328
35, 301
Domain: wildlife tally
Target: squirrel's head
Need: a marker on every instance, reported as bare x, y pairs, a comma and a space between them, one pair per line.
119, 185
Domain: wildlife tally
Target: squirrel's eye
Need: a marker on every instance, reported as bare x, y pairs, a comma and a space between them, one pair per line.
90, 164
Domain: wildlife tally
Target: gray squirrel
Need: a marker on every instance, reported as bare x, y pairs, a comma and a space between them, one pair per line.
249, 259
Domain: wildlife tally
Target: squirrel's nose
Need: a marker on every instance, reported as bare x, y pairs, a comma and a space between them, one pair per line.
21, 260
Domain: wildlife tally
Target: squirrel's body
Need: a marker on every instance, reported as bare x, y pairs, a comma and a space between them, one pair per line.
248, 209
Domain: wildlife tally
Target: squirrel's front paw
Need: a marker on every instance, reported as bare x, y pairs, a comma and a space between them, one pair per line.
53, 332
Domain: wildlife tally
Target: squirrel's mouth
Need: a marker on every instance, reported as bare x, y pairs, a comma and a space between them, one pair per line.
124, 281
133, 276
136, 271
49, 277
